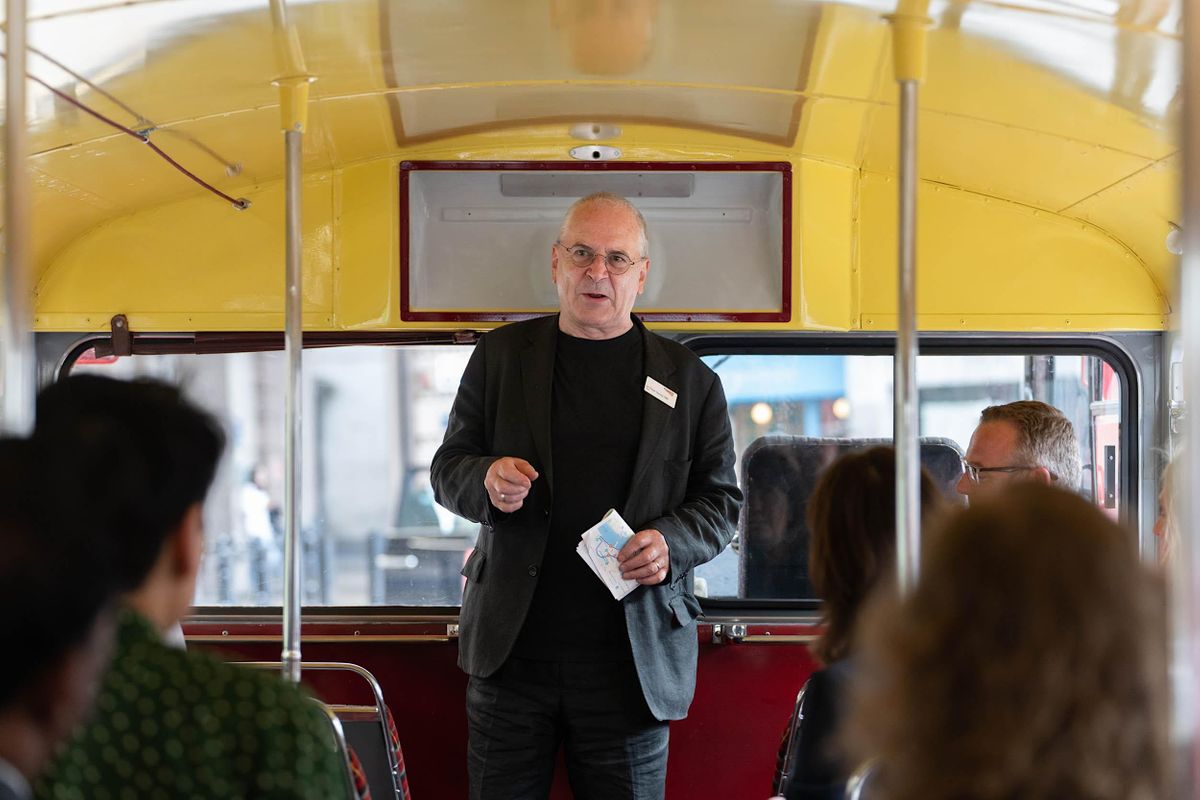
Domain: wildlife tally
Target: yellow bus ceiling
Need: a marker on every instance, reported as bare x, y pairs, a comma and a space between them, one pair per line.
1047, 146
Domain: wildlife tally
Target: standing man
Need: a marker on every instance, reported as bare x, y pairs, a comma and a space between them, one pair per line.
1025, 440
557, 420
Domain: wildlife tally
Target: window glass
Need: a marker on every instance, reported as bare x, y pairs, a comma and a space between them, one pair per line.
846, 401
372, 419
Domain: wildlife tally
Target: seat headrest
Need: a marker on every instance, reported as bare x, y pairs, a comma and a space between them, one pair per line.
779, 473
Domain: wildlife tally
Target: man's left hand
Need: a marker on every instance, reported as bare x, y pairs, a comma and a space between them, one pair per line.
645, 558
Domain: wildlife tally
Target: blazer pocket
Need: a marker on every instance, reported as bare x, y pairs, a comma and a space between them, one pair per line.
686, 608
473, 569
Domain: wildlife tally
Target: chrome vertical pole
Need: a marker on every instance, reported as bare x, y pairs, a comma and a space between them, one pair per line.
292, 345
293, 106
16, 349
908, 51
1185, 567
905, 420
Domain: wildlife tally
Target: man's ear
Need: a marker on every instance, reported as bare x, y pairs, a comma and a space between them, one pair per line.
1042, 475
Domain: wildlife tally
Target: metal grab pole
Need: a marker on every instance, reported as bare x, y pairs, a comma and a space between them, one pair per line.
905, 420
16, 349
908, 50
1185, 568
293, 107
292, 345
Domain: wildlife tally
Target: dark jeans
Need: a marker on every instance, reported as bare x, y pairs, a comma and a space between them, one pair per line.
518, 717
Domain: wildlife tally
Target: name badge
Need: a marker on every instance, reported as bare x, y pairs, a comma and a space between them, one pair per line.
660, 392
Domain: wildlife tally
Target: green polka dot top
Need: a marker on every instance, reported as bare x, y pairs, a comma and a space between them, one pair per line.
186, 726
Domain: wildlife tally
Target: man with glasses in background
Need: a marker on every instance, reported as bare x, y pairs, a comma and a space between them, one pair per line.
557, 420
1025, 440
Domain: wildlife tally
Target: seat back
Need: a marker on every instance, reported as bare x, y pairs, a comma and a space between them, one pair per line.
787, 753
362, 734
859, 784
367, 730
355, 785
778, 476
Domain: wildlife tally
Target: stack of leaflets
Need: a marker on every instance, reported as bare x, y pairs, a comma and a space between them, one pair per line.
598, 547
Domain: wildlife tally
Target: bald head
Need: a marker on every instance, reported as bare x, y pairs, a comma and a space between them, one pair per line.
603, 199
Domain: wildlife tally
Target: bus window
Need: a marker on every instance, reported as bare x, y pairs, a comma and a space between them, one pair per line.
372, 419
848, 397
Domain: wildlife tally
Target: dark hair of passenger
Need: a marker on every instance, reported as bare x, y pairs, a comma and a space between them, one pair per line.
54, 575
1030, 661
176, 445
852, 538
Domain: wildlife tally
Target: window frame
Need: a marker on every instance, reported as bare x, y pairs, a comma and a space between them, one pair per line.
1115, 352
965, 344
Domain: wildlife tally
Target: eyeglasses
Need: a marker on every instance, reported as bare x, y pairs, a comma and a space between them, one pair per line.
975, 472
615, 261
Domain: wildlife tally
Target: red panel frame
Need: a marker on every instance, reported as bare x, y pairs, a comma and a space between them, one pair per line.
784, 168
725, 748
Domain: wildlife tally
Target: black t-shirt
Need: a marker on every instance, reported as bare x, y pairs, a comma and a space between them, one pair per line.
595, 426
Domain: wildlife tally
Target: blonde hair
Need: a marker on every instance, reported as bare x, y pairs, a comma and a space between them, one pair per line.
1168, 510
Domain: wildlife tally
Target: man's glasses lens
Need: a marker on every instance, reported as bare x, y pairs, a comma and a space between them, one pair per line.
616, 262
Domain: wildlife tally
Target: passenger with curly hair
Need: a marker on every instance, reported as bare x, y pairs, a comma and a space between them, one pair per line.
1029, 662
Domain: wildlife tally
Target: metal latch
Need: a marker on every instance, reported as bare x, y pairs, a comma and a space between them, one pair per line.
734, 633
1177, 405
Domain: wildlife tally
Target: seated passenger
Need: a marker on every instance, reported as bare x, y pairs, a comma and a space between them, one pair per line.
56, 623
1025, 440
1029, 661
852, 545
169, 723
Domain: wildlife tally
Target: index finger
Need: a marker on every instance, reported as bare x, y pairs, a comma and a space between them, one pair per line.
636, 543
508, 471
525, 468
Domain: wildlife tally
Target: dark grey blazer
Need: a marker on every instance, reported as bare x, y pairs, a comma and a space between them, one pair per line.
683, 485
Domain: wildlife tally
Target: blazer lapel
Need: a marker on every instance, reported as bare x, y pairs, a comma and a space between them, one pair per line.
537, 378
655, 413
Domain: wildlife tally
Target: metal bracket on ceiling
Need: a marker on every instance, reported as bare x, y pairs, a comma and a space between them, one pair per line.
122, 339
